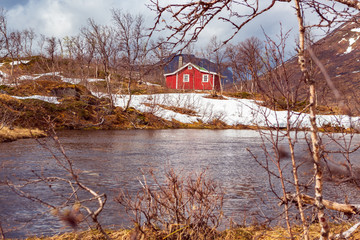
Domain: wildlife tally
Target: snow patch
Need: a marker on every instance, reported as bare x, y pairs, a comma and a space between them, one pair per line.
71, 80
95, 79
47, 74
342, 40
352, 41
79, 80
26, 77
3, 76
356, 30
42, 98
151, 84
14, 63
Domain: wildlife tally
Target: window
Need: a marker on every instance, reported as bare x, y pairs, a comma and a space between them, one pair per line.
190, 67
205, 77
186, 78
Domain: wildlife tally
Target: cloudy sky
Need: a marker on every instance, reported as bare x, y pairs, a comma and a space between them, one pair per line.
62, 18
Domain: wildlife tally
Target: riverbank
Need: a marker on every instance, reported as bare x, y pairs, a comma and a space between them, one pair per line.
9, 135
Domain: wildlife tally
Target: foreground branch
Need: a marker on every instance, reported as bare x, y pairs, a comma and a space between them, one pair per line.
348, 233
341, 207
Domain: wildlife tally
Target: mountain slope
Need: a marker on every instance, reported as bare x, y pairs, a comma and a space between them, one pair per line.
339, 52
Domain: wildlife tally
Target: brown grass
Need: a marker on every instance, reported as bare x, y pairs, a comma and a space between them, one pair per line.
181, 110
218, 97
88, 235
8, 135
252, 232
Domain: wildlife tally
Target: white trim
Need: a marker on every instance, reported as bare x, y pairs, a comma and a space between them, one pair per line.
177, 81
186, 65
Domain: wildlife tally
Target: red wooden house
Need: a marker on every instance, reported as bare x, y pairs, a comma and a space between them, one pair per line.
191, 76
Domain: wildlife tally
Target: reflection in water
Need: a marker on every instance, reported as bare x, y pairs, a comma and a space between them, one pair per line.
110, 160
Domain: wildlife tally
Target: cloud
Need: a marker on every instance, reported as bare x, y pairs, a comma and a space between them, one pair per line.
62, 18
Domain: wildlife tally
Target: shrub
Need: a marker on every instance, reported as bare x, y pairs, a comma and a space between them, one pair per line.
183, 207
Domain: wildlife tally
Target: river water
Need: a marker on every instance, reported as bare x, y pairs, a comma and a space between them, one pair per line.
113, 160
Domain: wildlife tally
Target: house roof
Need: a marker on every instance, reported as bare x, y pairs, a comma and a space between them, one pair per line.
201, 69
172, 63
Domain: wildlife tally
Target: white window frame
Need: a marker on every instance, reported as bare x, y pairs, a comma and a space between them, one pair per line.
189, 67
186, 78
205, 78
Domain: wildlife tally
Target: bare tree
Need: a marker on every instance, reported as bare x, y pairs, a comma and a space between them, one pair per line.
131, 40
27, 42
81, 52
12, 43
246, 61
102, 38
216, 53
162, 52
239, 71
51, 48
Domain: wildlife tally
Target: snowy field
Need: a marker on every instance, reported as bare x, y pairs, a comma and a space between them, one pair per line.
232, 111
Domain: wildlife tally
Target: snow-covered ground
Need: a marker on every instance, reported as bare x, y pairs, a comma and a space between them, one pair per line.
232, 111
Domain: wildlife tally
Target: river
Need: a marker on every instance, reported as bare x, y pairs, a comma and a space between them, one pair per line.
113, 160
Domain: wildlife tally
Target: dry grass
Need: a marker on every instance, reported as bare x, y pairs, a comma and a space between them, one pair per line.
314, 232
252, 232
8, 135
88, 235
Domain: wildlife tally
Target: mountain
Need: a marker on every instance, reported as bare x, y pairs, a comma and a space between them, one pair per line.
339, 52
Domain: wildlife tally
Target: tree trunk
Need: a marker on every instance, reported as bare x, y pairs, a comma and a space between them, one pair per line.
129, 92
109, 90
314, 129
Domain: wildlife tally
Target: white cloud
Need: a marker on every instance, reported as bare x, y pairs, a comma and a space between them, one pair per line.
61, 18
